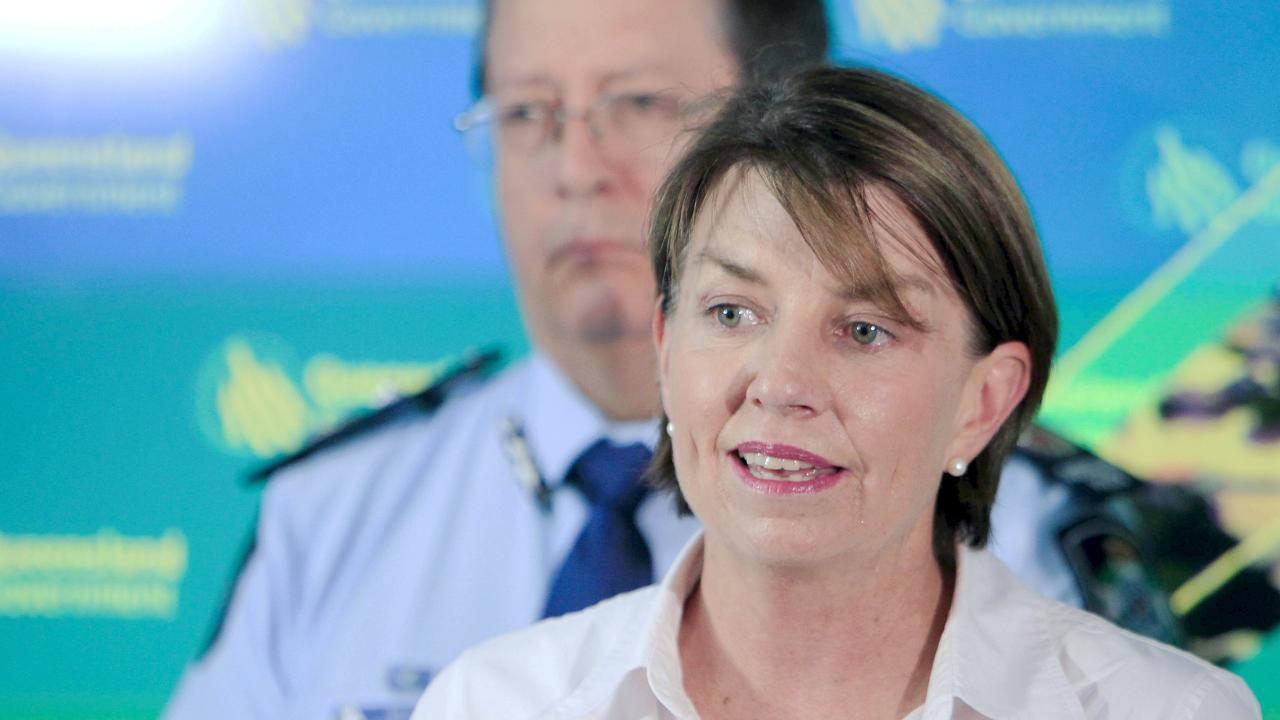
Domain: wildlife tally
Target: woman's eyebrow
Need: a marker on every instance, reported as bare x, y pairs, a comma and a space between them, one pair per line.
861, 291
741, 272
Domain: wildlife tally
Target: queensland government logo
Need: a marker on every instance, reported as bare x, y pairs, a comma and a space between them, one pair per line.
288, 23
906, 25
1188, 185
106, 574
115, 174
256, 397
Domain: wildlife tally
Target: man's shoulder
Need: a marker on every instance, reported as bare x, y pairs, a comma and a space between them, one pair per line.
525, 673
406, 448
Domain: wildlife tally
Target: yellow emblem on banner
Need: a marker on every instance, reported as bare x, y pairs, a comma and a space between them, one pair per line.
255, 397
259, 406
1187, 187
900, 25
281, 23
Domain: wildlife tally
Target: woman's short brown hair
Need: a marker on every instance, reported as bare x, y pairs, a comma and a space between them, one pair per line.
822, 139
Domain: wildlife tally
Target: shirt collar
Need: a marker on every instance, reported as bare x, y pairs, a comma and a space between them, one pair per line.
560, 422
659, 652
996, 656
652, 647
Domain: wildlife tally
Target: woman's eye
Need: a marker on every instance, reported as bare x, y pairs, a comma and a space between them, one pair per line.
865, 333
729, 315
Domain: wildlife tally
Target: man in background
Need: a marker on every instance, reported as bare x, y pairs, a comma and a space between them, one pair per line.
379, 560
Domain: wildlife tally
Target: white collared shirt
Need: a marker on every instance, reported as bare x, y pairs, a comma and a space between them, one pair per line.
1006, 652
379, 561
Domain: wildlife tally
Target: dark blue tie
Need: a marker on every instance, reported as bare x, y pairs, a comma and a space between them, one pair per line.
610, 555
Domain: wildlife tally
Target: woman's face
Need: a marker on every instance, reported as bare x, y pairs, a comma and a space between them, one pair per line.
810, 424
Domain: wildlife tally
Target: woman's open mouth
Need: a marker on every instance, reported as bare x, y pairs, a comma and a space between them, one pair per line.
783, 469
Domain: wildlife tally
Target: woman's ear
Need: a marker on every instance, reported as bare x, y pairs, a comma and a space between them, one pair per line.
659, 342
660, 338
996, 384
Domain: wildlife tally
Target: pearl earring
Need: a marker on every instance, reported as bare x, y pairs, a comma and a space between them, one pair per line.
671, 428
957, 467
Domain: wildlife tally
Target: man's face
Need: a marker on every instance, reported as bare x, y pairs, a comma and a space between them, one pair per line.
574, 208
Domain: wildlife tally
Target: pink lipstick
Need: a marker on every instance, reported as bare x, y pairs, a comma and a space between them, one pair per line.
776, 469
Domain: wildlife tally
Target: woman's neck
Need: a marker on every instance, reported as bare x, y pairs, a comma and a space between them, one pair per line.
813, 642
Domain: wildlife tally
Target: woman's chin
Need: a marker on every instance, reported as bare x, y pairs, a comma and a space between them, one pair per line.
786, 542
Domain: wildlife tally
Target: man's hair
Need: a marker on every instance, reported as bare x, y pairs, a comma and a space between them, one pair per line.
823, 140
767, 37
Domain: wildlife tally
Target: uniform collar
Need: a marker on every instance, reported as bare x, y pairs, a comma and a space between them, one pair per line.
560, 422
996, 658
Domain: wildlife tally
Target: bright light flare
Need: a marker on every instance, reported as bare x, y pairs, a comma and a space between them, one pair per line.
106, 28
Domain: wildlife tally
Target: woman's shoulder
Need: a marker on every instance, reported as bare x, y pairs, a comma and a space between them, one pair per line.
521, 674
1131, 674
1020, 654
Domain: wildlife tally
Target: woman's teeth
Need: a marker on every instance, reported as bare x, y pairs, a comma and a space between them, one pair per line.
767, 467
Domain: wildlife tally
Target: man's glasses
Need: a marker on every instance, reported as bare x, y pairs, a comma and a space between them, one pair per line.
623, 125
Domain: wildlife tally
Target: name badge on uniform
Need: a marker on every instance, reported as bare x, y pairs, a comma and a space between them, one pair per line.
410, 680
353, 712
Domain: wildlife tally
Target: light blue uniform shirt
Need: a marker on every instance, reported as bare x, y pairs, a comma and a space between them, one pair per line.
1024, 534
381, 560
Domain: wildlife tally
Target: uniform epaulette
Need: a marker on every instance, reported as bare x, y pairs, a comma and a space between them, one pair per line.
1130, 543
473, 367
1100, 533
1065, 462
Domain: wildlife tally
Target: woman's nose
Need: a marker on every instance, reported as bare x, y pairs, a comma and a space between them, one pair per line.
788, 376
